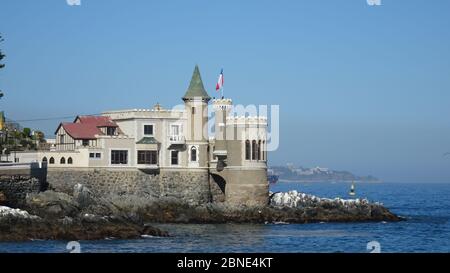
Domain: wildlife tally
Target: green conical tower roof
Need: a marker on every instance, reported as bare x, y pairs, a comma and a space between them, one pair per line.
196, 88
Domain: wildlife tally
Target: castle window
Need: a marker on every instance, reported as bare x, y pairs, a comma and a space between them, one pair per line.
193, 110
264, 155
194, 154
254, 151
148, 130
62, 161
259, 150
61, 139
174, 157
52, 160
148, 157
119, 157
247, 150
44, 160
85, 142
69, 160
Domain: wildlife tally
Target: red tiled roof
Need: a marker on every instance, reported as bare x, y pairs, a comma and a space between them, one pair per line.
81, 130
99, 121
87, 127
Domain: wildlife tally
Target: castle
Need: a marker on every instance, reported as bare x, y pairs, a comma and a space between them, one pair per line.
164, 153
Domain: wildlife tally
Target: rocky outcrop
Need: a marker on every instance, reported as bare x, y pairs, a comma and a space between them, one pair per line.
84, 216
58, 216
289, 207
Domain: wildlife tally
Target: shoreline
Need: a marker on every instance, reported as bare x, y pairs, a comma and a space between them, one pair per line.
51, 215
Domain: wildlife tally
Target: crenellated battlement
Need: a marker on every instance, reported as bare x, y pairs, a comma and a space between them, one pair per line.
222, 104
251, 120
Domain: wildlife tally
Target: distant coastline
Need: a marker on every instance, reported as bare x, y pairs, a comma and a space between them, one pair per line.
291, 173
326, 181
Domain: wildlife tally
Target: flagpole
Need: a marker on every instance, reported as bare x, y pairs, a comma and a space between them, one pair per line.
222, 84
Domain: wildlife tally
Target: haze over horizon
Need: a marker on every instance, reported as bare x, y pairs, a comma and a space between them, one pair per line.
361, 88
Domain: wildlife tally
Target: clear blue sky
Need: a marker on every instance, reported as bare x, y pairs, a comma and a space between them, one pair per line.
360, 88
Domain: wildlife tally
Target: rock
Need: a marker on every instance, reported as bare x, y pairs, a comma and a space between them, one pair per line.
83, 196
291, 207
7, 212
59, 216
2, 198
51, 205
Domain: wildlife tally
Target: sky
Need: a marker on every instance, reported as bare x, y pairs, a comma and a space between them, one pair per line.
360, 88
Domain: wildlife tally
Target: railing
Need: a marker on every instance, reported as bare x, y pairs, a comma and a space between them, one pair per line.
34, 169
177, 139
22, 166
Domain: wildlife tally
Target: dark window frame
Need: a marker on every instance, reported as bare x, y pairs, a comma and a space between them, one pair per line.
111, 131
254, 150
174, 158
259, 150
194, 154
119, 157
146, 126
147, 157
248, 150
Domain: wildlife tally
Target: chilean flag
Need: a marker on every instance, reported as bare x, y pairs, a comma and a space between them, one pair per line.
220, 81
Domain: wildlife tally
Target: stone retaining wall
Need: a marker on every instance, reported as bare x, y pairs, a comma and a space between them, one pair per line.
190, 186
14, 189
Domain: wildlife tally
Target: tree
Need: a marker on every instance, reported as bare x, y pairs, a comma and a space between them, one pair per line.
39, 136
26, 132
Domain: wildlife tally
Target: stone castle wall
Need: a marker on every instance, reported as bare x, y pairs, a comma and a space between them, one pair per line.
14, 189
248, 187
234, 187
190, 186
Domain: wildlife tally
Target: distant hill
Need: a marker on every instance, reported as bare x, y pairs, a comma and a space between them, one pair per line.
317, 174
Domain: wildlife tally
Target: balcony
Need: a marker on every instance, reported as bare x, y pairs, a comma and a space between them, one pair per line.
177, 140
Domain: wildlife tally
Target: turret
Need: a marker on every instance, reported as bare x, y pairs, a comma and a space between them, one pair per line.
222, 108
196, 102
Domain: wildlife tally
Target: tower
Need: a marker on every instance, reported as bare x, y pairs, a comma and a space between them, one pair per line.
222, 108
196, 105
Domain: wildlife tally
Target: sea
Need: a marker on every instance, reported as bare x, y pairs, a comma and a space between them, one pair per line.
425, 207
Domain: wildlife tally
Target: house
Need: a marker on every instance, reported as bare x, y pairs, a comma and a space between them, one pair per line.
157, 141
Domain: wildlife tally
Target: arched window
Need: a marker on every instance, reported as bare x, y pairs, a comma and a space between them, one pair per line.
194, 154
69, 160
264, 155
52, 160
62, 161
254, 150
247, 150
44, 160
259, 150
